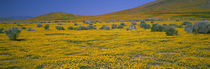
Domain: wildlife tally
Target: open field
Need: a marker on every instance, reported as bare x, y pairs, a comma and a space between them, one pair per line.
104, 49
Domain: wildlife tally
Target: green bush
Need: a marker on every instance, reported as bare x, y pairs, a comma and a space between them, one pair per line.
201, 27
60, 28
104, 27
171, 31
152, 22
122, 24
134, 23
39, 25
19, 25
143, 22
23, 28
179, 26
158, 28
91, 26
71, 28
46, 27
81, 28
1, 30
185, 23
115, 26
144, 25
12, 33
75, 24
31, 29
173, 25
188, 28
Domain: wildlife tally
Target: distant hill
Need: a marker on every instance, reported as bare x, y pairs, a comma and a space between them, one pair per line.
58, 16
155, 9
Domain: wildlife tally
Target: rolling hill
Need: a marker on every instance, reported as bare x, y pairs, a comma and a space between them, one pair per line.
155, 9
58, 16
166, 6
167, 9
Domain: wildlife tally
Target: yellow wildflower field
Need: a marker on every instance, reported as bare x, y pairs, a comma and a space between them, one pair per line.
103, 49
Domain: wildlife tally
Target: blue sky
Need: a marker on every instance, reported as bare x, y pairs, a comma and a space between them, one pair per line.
80, 7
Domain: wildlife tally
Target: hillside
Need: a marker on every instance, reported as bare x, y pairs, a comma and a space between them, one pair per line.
160, 6
155, 9
169, 8
58, 16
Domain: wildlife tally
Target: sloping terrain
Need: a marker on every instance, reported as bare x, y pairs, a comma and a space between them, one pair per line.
155, 9
163, 6
168, 9
57, 16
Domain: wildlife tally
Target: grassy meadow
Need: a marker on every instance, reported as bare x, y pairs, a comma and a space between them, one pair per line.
103, 49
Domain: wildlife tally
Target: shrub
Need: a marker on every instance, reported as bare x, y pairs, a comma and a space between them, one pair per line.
133, 23
81, 28
114, 26
137, 20
91, 26
1, 30
88, 22
145, 26
158, 28
143, 22
39, 25
171, 31
19, 25
164, 28
30, 29
60, 28
131, 27
104, 27
46, 27
152, 21
180, 26
189, 28
185, 23
23, 28
12, 33
122, 24
71, 28
201, 27
75, 24
191, 18
173, 25
165, 25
